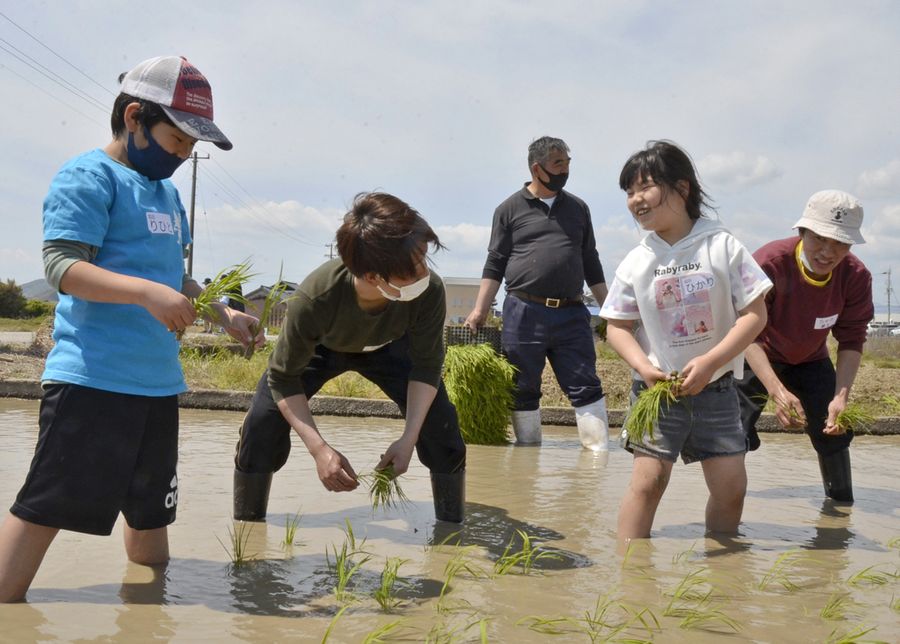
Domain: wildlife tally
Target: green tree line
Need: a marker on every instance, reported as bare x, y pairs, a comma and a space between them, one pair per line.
14, 304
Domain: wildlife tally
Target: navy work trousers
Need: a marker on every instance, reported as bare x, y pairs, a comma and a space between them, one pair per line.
534, 333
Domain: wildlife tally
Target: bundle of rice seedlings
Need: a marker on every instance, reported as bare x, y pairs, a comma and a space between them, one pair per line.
273, 297
228, 283
384, 488
855, 418
644, 413
480, 384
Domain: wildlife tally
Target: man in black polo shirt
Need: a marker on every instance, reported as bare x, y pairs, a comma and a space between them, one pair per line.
542, 244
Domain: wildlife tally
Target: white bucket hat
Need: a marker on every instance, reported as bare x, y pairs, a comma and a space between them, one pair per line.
834, 214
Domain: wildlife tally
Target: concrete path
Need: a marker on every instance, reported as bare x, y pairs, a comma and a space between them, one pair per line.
16, 337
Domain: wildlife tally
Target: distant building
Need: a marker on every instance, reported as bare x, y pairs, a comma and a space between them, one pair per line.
257, 297
461, 294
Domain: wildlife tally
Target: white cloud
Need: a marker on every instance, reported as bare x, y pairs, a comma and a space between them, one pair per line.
737, 170
466, 250
881, 182
20, 265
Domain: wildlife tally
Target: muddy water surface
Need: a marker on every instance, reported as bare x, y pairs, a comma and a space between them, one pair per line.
769, 585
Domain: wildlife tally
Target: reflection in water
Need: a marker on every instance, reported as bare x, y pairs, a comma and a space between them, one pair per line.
564, 498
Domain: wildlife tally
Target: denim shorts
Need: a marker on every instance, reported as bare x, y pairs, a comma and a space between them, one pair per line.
697, 427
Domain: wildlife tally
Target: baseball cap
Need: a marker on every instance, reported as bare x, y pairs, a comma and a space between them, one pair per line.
835, 215
181, 91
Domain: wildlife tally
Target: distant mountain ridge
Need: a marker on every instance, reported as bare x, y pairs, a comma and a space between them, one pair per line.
39, 289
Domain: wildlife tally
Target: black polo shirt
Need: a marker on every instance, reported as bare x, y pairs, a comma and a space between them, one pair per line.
547, 252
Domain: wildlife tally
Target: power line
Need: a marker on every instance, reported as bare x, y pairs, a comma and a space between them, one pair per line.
46, 72
251, 210
252, 198
56, 98
62, 58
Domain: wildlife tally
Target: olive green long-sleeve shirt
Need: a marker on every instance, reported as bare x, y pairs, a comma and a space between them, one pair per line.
325, 311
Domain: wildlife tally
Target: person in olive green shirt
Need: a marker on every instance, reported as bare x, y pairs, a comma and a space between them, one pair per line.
378, 311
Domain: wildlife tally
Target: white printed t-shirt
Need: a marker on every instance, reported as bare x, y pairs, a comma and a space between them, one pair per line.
687, 295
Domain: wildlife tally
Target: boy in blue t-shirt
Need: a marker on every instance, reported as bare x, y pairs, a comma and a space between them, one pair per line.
115, 233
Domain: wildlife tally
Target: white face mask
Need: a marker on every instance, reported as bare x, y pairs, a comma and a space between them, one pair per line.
805, 261
408, 292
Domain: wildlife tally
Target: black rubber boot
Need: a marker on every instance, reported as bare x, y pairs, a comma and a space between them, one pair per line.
449, 492
836, 477
251, 495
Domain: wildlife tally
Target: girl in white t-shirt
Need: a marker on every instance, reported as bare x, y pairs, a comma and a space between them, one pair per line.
700, 334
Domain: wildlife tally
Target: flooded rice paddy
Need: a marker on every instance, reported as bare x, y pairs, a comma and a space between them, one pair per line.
801, 571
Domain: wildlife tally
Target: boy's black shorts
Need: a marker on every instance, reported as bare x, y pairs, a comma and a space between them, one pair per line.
100, 453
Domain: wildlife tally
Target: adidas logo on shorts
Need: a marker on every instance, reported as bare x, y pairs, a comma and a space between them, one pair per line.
172, 497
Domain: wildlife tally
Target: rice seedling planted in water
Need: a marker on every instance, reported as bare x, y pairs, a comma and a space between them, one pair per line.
442, 633
384, 488
347, 563
855, 418
780, 571
850, 637
693, 602
480, 385
461, 563
390, 632
837, 607
871, 576
290, 529
238, 538
609, 622
385, 594
644, 413
332, 623
524, 558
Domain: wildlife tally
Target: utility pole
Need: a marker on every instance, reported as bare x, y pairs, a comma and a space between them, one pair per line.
194, 159
330, 253
889, 291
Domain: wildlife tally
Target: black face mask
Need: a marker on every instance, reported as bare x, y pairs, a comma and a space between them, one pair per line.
557, 181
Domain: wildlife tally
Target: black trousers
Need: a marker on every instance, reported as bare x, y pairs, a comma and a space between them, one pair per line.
813, 383
265, 438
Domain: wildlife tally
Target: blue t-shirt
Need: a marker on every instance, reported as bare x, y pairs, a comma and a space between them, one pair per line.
140, 229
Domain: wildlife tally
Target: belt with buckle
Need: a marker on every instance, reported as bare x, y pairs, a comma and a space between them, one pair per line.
549, 302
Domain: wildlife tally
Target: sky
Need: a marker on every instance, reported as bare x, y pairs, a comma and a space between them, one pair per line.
436, 102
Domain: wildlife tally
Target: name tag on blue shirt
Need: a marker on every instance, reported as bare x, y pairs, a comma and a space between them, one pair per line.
160, 223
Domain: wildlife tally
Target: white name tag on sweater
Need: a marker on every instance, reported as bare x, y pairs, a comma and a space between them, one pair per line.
825, 323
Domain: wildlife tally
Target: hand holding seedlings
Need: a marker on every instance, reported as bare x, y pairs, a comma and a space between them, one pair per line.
696, 375
852, 417
334, 470
644, 413
384, 488
788, 409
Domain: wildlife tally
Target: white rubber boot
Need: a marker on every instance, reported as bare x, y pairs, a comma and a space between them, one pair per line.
527, 426
593, 426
